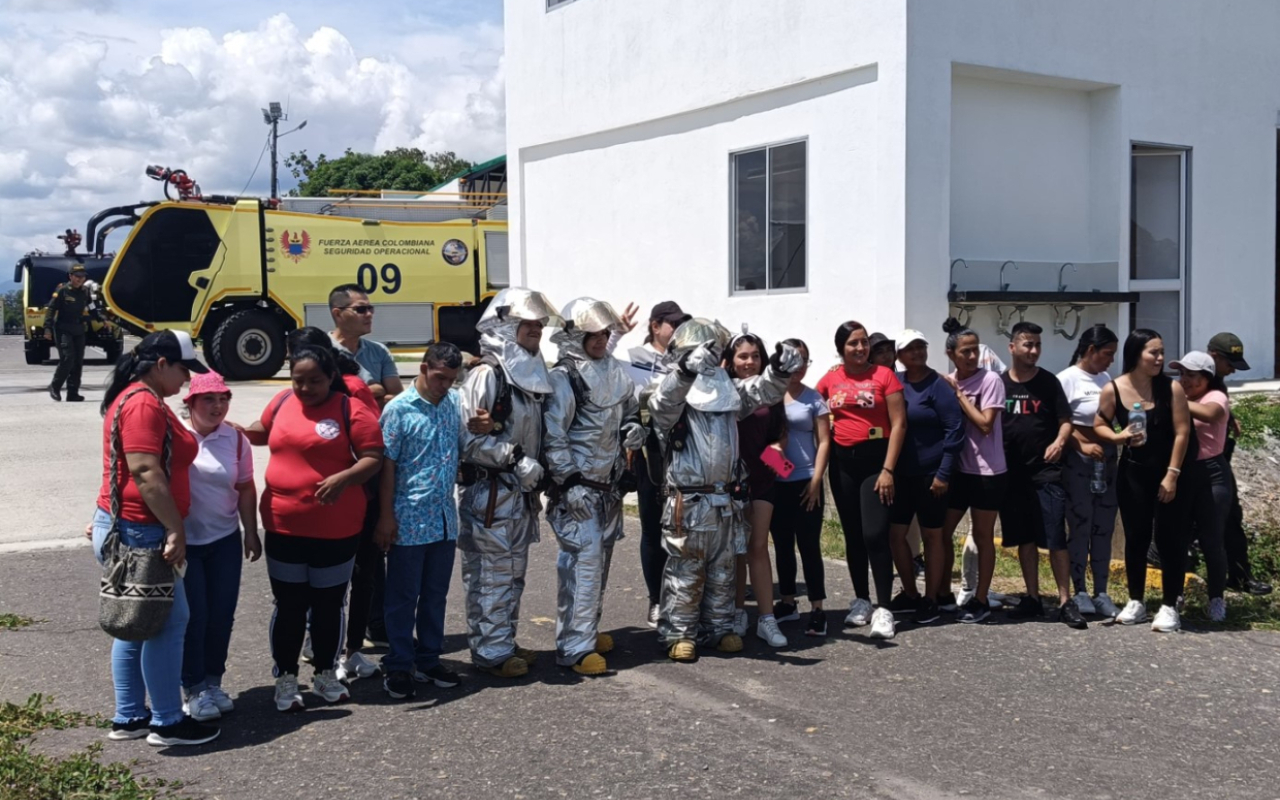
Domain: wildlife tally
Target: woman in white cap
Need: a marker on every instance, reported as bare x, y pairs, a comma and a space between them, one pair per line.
223, 500
1212, 485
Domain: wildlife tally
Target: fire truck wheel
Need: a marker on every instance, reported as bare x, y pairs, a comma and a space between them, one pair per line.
210, 354
249, 345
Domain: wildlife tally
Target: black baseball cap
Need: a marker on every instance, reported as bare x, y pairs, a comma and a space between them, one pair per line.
1231, 348
878, 339
669, 311
175, 347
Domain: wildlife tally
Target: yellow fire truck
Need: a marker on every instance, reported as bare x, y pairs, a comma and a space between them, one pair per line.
240, 273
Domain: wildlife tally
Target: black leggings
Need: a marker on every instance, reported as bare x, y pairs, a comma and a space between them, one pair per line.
1144, 516
653, 558
865, 519
308, 575
792, 526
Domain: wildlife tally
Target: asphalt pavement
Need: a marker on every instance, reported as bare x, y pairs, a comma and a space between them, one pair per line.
1001, 710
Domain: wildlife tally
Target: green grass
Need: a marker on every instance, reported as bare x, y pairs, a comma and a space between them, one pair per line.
1259, 418
11, 622
81, 776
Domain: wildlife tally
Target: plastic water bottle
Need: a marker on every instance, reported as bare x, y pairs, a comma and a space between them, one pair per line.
1138, 424
1098, 484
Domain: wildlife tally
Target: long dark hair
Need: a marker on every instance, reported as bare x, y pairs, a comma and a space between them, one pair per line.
1096, 336
843, 333
129, 367
327, 362
1134, 345
955, 332
750, 338
316, 339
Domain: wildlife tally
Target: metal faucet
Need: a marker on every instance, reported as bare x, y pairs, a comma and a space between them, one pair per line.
953, 271
1062, 287
1004, 287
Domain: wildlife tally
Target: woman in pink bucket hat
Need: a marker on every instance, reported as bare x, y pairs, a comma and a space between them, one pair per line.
223, 502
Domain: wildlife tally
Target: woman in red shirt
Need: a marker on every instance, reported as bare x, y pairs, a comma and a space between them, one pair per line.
149, 471
869, 418
324, 446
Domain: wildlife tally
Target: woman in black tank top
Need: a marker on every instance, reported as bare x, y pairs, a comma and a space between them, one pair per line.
1151, 503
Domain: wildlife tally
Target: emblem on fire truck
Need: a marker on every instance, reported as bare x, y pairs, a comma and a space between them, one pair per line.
296, 246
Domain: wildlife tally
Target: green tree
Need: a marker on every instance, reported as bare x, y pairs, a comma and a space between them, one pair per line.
13, 308
405, 169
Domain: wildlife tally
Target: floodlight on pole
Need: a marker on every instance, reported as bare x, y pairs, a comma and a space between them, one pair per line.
272, 115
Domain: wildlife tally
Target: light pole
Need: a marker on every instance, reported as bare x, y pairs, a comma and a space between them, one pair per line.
272, 115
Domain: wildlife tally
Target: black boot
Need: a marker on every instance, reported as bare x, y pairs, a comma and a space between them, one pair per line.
55, 393
74, 397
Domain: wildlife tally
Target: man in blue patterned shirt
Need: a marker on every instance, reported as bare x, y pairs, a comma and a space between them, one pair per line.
418, 526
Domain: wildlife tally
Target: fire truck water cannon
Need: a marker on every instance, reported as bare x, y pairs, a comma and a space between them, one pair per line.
72, 240
178, 178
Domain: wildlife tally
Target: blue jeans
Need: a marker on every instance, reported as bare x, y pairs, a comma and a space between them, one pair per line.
213, 588
155, 666
417, 585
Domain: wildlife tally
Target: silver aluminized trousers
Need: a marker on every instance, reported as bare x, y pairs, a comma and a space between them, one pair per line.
698, 587
586, 550
494, 562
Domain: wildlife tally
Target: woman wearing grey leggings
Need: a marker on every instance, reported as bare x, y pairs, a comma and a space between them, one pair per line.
1089, 472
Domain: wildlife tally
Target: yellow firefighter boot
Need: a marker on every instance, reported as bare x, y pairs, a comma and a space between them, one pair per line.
604, 642
683, 650
731, 643
591, 664
528, 655
513, 667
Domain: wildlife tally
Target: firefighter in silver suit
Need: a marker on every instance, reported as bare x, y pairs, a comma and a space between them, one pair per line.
591, 417
695, 410
502, 475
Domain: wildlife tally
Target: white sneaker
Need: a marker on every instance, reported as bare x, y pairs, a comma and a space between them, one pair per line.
1105, 605
355, 666
882, 624
288, 698
1085, 603
740, 621
1134, 612
965, 595
201, 707
220, 699
326, 685
1217, 609
1167, 620
767, 629
859, 613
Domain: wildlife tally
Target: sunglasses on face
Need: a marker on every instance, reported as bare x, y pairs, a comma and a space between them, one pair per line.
361, 310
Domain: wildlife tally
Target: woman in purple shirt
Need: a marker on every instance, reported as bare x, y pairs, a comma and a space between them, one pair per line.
979, 486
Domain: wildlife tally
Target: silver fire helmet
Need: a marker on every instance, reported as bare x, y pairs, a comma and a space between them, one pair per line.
588, 315
518, 304
698, 331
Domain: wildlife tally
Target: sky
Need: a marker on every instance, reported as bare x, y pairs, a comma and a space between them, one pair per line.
93, 91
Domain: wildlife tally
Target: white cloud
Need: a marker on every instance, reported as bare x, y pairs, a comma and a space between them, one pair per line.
86, 111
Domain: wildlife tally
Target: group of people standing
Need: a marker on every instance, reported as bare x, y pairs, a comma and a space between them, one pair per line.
372, 487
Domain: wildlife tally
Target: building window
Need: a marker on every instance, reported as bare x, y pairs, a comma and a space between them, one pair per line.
1158, 224
769, 211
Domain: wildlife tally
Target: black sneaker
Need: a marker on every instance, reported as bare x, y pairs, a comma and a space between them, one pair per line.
440, 675
376, 637
817, 625
185, 732
974, 611
399, 685
919, 562
903, 604
1070, 614
1250, 586
785, 612
1028, 608
926, 611
947, 602
133, 729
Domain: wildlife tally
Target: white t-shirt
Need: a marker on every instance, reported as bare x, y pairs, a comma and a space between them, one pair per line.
1082, 390
225, 461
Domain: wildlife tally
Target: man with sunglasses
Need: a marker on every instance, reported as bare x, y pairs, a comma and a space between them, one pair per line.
353, 320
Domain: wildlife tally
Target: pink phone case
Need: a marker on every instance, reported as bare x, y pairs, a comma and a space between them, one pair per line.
777, 462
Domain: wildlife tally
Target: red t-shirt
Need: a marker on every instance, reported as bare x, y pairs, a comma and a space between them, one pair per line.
142, 430
857, 402
360, 391
308, 444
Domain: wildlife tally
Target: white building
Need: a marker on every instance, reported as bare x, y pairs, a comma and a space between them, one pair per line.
796, 164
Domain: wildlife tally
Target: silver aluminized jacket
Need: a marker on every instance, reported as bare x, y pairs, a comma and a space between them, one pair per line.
495, 557
702, 532
585, 439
